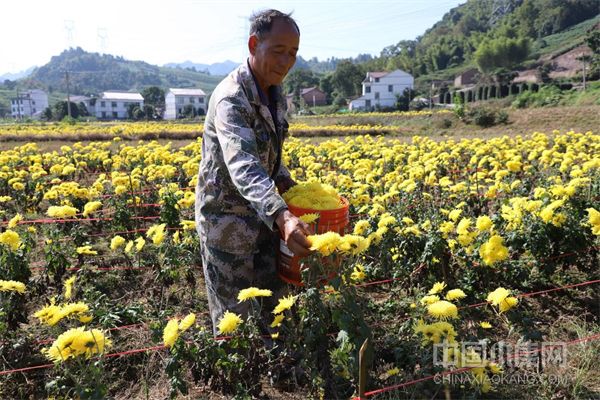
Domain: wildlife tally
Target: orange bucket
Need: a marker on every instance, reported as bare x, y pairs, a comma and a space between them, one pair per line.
289, 266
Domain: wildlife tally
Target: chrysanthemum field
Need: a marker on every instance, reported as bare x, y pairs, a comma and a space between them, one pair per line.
470, 269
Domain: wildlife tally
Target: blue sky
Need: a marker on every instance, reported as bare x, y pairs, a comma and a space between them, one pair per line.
202, 31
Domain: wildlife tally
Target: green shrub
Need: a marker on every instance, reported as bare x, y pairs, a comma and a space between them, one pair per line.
483, 116
502, 117
547, 96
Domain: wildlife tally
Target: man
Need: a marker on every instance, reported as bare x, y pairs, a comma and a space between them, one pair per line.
239, 213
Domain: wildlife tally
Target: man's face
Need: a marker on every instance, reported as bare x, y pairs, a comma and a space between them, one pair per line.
274, 55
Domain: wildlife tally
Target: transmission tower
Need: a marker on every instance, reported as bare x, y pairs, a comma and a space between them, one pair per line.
102, 38
69, 28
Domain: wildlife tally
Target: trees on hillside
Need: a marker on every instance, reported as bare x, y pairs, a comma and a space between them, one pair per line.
503, 52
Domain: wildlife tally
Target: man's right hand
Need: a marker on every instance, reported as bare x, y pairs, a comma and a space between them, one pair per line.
294, 232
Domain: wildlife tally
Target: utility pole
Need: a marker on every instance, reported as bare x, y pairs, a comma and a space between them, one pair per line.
18, 105
583, 60
68, 97
431, 96
30, 108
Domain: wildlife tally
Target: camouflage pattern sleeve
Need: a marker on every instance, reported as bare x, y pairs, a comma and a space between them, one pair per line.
240, 154
283, 175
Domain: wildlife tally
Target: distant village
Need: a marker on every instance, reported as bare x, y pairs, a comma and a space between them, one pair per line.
110, 105
380, 91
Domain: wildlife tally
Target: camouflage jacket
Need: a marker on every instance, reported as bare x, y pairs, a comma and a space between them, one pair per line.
236, 192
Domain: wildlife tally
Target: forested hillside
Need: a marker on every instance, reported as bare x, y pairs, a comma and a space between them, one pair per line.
454, 40
91, 73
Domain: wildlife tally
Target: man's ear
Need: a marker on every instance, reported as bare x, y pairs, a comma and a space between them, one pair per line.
252, 43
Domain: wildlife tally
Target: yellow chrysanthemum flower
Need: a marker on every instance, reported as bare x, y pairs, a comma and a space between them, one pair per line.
139, 244
455, 294
484, 223
69, 286
594, 220
442, 310
325, 243
358, 274
285, 303
11, 239
429, 299
12, 286
86, 250
508, 303
437, 287
187, 322
501, 298
251, 292
229, 322
156, 233
117, 242
77, 342
90, 207
309, 218
493, 250
352, 244
188, 225
14, 221
61, 211
129, 246
171, 332
84, 319
277, 320
498, 295
485, 325
361, 227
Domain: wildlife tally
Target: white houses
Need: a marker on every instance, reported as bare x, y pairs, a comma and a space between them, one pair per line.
177, 99
380, 89
29, 103
114, 105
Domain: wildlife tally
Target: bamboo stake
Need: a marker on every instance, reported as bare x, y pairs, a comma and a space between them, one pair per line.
362, 370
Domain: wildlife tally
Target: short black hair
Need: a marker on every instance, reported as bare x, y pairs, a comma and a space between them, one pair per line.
261, 22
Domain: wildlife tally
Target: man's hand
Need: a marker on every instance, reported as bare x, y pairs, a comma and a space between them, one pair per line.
294, 233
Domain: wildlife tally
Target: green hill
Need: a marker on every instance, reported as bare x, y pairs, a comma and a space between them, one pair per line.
92, 73
449, 45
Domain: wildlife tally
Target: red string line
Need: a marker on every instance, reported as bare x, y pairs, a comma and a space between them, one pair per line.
121, 353
63, 220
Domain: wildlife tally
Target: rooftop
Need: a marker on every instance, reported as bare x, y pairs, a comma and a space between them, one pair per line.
122, 96
187, 92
